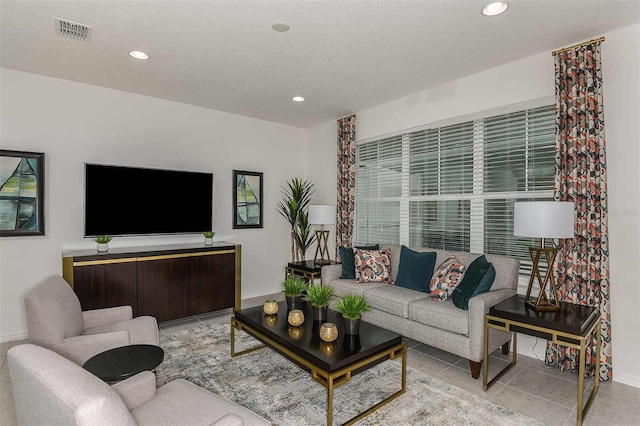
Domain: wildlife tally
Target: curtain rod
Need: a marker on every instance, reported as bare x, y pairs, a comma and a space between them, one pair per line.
595, 40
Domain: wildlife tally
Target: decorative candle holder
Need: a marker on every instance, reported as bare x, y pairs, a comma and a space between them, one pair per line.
328, 332
296, 317
295, 333
270, 307
270, 320
328, 348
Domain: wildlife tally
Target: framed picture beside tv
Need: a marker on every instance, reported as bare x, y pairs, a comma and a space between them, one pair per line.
21, 193
247, 199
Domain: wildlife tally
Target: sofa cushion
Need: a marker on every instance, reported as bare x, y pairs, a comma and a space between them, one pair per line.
348, 265
372, 265
343, 287
470, 282
415, 269
446, 278
442, 315
392, 299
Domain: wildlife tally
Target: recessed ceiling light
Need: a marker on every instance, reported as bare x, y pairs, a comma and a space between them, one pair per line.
138, 55
297, 99
280, 27
495, 8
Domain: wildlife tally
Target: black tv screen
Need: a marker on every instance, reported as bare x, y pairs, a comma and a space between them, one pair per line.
139, 201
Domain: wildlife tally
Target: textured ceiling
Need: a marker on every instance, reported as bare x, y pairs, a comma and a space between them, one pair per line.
342, 56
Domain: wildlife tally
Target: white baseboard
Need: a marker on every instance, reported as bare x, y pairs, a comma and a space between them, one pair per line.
10, 337
626, 379
526, 346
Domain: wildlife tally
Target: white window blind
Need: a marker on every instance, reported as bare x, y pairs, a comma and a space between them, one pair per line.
453, 187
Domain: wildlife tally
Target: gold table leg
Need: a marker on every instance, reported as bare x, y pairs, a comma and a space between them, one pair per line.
234, 325
485, 365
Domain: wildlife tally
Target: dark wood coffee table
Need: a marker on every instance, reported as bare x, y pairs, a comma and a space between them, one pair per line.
123, 362
330, 364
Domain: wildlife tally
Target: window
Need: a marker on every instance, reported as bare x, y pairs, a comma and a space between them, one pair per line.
453, 187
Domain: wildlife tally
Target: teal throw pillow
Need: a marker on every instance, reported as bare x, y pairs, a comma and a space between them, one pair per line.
470, 282
348, 260
416, 269
486, 282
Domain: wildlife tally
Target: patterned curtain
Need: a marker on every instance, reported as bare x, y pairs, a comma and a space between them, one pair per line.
581, 177
346, 182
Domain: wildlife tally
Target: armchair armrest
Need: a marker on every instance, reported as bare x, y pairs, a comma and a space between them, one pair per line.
330, 273
136, 390
98, 317
478, 307
80, 348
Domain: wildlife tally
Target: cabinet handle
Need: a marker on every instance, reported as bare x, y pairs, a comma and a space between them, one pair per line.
211, 253
104, 262
168, 256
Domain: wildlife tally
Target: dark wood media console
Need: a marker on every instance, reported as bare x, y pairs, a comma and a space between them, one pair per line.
167, 281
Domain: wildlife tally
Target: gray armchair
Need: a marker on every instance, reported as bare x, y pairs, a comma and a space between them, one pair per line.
51, 390
56, 321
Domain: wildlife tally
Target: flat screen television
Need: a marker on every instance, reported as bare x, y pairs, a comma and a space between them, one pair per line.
121, 200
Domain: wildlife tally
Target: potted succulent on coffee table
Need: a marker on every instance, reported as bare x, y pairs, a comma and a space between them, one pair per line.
352, 306
319, 296
293, 288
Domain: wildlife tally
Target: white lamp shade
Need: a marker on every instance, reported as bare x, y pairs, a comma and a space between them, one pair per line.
543, 219
322, 214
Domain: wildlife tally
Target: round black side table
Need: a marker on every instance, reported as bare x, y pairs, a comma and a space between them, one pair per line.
123, 362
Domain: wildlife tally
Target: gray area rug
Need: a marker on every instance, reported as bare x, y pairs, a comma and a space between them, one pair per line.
277, 389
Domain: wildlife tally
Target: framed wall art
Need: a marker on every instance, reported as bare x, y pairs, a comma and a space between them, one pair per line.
247, 199
21, 193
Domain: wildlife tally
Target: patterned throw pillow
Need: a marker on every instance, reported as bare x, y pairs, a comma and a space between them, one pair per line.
373, 265
446, 278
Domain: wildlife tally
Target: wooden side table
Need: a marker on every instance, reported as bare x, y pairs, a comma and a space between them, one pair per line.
571, 326
307, 269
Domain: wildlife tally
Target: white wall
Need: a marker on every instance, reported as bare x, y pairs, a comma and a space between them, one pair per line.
73, 123
530, 79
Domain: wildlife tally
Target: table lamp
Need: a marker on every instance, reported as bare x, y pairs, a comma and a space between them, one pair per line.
322, 214
543, 219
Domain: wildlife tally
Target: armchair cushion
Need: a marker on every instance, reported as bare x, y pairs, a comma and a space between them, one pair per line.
142, 330
98, 317
80, 348
136, 390
182, 402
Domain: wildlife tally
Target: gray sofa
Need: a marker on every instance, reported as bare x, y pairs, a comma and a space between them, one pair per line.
51, 390
442, 325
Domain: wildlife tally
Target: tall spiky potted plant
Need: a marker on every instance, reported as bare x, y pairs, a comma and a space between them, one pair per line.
293, 206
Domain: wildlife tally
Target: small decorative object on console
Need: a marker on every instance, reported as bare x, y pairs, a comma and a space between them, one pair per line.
328, 332
208, 238
270, 307
296, 317
103, 243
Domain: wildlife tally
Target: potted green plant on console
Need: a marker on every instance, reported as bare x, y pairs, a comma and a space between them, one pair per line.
208, 237
351, 306
293, 288
103, 243
319, 296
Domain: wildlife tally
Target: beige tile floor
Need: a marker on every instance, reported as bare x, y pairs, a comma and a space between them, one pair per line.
544, 394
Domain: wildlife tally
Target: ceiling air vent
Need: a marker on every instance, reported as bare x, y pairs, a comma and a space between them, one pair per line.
72, 30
